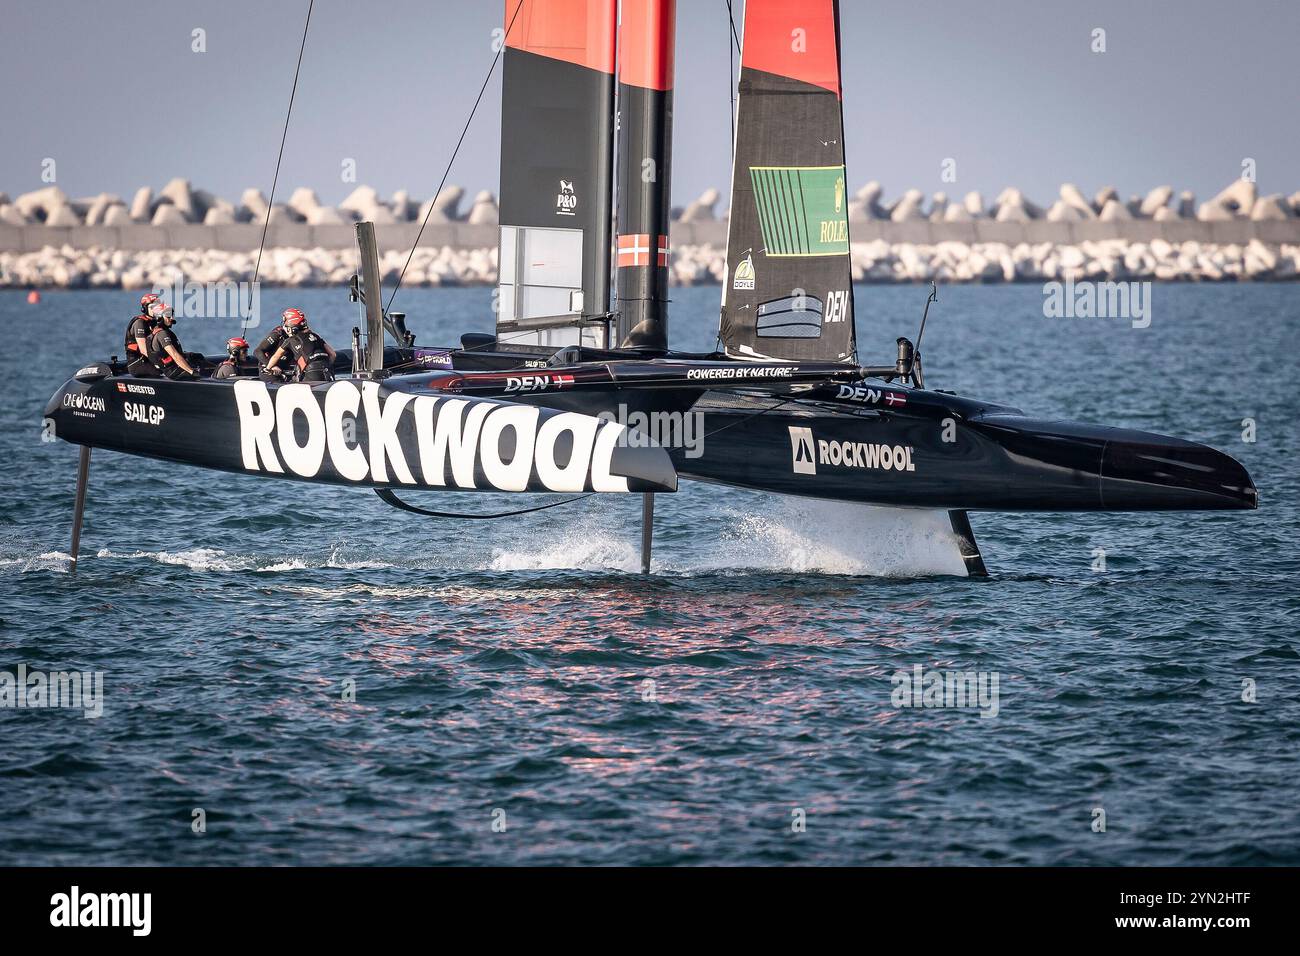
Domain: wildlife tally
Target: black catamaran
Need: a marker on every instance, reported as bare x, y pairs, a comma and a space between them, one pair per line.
578, 378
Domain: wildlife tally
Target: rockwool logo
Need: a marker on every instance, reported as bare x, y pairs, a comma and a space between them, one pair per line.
801, 451
455, 443
845, 454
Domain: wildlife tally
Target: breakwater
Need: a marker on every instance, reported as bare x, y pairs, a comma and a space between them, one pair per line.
50, 241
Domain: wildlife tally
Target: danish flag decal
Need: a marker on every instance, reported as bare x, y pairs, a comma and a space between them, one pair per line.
635, 250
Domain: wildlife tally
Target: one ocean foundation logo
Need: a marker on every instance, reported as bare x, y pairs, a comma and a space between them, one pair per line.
72, 690
939, 689
1098, 300
226, 299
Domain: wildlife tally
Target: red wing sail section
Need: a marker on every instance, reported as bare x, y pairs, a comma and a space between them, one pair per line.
788, 291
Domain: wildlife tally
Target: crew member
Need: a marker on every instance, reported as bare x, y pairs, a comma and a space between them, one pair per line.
311, 355
236, 359
138, 332
266, 348
165, 349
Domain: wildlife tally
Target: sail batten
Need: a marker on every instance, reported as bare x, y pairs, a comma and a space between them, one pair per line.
788, 291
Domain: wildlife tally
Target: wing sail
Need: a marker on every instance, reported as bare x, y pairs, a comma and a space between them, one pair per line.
788, 291
557, 141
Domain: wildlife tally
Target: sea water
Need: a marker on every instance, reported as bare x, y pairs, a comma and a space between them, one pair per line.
301, 674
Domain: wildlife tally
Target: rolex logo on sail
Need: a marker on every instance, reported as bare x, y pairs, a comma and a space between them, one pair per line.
801, 210
375, 436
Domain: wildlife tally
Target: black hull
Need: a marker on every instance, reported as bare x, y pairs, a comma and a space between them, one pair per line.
799, 434
358, 433
994, 461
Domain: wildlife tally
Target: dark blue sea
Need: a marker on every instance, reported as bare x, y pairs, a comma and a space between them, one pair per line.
523, 696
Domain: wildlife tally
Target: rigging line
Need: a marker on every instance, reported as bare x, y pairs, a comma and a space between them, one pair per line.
387, 496
734, 36
731, 78
244, 326
733, 47
741, 421
447, 172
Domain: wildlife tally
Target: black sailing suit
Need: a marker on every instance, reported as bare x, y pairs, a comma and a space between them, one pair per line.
137, 364
310, 357
162, 338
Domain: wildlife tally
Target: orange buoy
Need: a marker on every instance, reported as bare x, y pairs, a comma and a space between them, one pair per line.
33, 298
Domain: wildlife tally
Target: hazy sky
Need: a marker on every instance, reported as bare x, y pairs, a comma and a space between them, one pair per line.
1011, 90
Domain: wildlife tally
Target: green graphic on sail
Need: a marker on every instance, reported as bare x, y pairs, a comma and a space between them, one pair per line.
801, 209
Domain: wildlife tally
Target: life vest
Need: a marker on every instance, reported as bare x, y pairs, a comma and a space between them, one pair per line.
141, 326
309, 352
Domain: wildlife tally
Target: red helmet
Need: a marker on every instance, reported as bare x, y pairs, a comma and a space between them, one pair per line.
235, 344
157, 308
294, 319
148, 299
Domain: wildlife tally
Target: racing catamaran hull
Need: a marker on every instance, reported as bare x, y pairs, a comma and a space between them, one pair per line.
996, 461
358, 432
866, 442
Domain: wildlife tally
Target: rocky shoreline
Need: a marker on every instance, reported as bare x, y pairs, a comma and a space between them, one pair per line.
872, 262
50, 241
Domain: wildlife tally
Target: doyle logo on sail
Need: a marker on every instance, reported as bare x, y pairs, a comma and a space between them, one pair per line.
368, 434
744, 278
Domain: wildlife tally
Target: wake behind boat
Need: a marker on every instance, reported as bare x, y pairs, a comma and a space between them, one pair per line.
578, 387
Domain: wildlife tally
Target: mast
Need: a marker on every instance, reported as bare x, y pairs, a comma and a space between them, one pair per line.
372, 296
645, 126
557, 141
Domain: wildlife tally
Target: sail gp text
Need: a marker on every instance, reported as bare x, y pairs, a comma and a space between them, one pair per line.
143, 413
458, 442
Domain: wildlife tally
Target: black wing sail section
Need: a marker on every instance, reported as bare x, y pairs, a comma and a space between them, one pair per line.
788, 291
645, 131
557, 142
